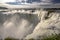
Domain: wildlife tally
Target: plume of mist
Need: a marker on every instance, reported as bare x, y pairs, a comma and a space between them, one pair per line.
17, 25
25, 26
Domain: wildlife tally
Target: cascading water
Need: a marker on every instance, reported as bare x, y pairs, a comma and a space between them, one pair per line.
49, 24
25, 26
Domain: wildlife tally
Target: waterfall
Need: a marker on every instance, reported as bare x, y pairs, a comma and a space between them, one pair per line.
25, 26
49, 24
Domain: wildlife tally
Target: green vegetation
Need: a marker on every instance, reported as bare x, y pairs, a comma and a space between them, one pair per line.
10, 38
53, 37
31, 39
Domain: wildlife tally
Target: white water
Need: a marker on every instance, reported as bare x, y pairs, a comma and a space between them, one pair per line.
28, 26
49, 24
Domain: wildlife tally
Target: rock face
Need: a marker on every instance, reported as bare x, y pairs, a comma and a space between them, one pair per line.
49, 24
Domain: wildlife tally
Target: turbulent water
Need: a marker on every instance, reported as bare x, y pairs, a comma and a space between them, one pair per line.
26, 26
